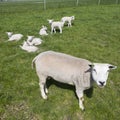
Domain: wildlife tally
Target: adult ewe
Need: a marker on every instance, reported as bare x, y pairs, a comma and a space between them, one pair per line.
71, 70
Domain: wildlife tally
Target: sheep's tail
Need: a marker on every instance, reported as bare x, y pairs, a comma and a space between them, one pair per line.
33, 62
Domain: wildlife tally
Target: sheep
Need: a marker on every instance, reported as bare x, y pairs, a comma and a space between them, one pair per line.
28, 48
43, 31
68, 20
56, 24
33, 41
71, 70
13, 37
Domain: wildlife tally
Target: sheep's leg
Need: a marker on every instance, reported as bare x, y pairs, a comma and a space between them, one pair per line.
42, 87
80, 97
69, 24
60, 29
52, 29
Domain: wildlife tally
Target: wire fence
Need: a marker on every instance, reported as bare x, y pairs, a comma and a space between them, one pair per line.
63, 3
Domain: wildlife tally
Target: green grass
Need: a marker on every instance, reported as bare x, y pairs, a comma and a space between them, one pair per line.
95, 35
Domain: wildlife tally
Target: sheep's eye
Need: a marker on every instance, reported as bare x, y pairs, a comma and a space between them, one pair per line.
94, 70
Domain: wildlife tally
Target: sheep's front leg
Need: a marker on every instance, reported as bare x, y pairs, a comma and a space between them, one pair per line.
60, 29
80, 97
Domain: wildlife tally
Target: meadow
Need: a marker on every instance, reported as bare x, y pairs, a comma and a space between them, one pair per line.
95, 35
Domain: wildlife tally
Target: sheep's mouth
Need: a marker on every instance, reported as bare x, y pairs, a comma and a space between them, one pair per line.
101, 86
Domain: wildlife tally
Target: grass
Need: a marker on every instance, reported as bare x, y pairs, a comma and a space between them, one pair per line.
94, 36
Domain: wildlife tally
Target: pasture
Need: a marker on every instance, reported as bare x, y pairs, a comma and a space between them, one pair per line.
95, 35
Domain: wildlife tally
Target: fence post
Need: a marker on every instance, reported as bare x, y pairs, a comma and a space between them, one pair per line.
99, 2
44, 4
116, 1
77, 2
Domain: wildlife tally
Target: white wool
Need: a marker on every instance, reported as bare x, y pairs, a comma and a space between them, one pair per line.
43, 31
68, 20
56, 25
28, 47
14, 37
70, 70
34, 41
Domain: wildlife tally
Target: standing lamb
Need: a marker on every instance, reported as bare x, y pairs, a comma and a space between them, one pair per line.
14, 37
56, 24
43, 31
68, 20
71, 70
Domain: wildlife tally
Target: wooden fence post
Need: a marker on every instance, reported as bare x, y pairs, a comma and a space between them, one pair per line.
99, 2
44, 4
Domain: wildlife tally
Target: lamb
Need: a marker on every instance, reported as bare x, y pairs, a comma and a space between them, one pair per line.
33, 41
28, 48
43, 31
71, 70
56, 24
68, 20
14, 37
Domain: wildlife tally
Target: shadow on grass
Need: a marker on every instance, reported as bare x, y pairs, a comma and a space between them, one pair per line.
51, 81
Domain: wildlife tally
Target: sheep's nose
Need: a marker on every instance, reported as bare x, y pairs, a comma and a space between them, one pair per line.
102, 83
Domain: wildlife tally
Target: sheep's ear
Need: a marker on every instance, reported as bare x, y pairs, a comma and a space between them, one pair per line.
91, 65
112, 67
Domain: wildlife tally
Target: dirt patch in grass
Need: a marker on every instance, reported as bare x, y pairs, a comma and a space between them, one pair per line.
18, 111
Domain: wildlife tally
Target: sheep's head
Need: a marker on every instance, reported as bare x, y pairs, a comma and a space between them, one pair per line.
44, 27
30, 38
9, 34
50, 21
73, 17
100, 72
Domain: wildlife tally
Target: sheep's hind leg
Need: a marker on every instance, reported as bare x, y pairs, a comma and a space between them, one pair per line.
42, 87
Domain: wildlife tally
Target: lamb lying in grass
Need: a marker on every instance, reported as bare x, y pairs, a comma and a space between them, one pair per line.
71, 70
68, 20
56, 25
43, 31
28, 48
14, 37
31, 40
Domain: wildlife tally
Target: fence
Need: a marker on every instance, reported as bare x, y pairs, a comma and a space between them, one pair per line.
63, 3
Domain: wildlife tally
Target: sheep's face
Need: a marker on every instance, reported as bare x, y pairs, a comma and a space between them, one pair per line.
9, 34
50, 21
73, 17
30, 38
100, 73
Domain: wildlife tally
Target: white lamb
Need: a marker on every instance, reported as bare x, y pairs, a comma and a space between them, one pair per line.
70, 70
56, 24
43, 31
34, 41
68, 20
14, 37
28, 48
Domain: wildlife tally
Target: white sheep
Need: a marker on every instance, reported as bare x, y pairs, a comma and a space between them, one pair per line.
43, 31
68, 20
28, 48
56, 25
71, 70
33, 41
13, 37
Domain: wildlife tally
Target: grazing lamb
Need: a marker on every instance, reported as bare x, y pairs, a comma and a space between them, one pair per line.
71, 70
28, 48
68, 20
56, 24
13, 37
43, 31
33, 41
